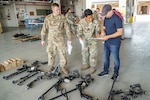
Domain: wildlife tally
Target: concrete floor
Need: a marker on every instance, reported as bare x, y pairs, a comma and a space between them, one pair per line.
134, 55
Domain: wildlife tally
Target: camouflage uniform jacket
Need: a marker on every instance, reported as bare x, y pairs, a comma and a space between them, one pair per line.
69, 18
96, 15
55, 26
87, 30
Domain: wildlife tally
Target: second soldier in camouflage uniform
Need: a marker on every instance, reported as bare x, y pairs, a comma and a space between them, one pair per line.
70, 20
96, 14
89, 28
54, 25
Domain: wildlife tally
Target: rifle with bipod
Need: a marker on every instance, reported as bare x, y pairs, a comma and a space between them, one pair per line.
134, 91
23, 79
55, 85
24, 68
74, 75
19, 71
82, 85
46, 75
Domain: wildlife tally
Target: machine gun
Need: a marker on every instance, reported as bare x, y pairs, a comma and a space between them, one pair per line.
74, 75
24, 68
57, 84
134, 91
82, 85
46, 75
19, 71
111, 93
23, 79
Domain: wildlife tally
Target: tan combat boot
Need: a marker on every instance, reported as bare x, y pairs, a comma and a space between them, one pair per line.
92, 71
66, 71
84, 67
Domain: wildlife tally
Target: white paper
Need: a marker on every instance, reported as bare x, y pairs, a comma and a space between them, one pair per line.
69, 48
82, 44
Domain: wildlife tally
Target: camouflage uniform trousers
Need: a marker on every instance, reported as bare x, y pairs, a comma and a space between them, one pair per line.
89, 53
52, 50
72, 29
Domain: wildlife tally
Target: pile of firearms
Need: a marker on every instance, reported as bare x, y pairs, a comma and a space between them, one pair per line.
85, 82
33, 70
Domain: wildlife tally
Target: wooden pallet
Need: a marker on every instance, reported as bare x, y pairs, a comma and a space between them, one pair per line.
30, 37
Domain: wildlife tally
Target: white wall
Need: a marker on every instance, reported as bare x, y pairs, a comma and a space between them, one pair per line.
13, 21
32, 8
140, 18
80, 6
13, 13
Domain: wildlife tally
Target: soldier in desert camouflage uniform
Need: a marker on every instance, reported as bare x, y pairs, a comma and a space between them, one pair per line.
88, 28
70, 20
54, 25
96, 14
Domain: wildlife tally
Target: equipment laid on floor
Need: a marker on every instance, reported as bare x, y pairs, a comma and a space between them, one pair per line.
19, 71
33, 70
85, 82
11, 63
24, 78
46, 75
74, 75
26, 37
134, 91
33, 67
110, 97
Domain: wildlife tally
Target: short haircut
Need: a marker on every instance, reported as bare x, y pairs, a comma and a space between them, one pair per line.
88, 12
68, 9
55, 5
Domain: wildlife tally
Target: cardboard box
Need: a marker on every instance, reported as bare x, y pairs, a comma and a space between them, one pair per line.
2, 68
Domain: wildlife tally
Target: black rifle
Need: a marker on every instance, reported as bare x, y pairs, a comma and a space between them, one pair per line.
46, 75
113, 93
24, 68
111, 96
32, 72
55, 85
23, 79
74, 75
82, 85
134, 91
19, 71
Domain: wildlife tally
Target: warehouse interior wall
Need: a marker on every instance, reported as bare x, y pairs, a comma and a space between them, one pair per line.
9, 16
142, 10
